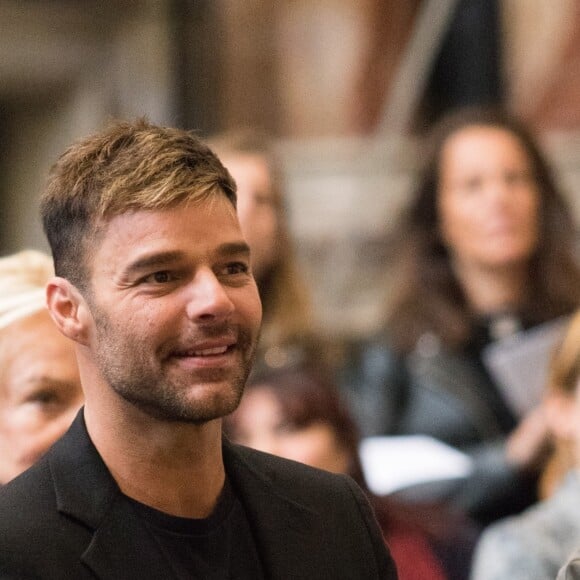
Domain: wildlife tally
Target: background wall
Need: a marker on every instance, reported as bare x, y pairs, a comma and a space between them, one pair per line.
287, 67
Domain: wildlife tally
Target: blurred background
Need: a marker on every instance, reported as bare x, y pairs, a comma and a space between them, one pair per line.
346, 93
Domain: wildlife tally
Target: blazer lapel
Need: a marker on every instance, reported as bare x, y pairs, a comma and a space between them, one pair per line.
283, 547
86, 492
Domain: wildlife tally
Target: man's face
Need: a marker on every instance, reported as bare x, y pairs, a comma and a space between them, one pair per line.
175, 309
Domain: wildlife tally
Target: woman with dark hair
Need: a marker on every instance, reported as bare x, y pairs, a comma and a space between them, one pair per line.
437, 293
487, 249
299, 414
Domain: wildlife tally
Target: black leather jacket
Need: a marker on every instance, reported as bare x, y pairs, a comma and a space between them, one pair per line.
450, 397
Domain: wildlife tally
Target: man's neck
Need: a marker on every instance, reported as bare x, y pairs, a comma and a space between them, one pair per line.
174, 467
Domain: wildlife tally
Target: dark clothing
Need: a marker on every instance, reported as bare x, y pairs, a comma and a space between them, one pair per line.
213, 548
451, 397
66, 518
468, 68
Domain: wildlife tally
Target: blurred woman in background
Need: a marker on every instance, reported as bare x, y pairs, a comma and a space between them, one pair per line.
288, 337
487, 248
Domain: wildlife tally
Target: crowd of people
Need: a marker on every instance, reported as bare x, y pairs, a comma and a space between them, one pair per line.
170, 256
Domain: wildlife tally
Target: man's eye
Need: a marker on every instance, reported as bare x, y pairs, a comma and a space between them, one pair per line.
237, 268
162, 277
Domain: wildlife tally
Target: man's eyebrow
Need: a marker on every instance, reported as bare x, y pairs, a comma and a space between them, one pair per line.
231, 248
164, 259
157, 260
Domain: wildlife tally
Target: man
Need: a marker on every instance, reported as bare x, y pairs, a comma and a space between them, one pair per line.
40, 388
154, 286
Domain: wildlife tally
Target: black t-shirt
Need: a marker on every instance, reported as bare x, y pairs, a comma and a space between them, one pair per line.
218, 547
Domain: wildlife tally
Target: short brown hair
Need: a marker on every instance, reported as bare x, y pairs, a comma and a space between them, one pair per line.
127, 166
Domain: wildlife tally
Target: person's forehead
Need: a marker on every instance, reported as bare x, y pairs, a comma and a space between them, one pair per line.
475, 137
481, 150
184, 229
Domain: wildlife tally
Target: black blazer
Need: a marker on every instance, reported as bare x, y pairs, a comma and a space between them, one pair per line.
63, 519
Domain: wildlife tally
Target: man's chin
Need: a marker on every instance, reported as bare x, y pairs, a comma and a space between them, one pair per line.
204, 403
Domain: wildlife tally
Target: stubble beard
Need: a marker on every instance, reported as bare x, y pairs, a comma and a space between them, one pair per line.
145, 382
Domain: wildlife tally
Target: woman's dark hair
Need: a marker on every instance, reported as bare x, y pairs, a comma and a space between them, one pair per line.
307, 396
428, 296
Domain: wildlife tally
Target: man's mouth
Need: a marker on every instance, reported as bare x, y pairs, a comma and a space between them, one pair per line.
208, 351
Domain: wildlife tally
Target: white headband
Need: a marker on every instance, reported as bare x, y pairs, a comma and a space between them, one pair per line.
23, 277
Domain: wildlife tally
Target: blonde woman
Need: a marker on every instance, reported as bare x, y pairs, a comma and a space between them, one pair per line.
533, 545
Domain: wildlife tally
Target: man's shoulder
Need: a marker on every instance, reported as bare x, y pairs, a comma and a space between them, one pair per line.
28, 490
37, 540
28, 520
28, 503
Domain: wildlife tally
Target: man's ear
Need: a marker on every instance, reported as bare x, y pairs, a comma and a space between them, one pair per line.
68, 309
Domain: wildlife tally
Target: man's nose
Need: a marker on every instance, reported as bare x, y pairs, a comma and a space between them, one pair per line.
208, 299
